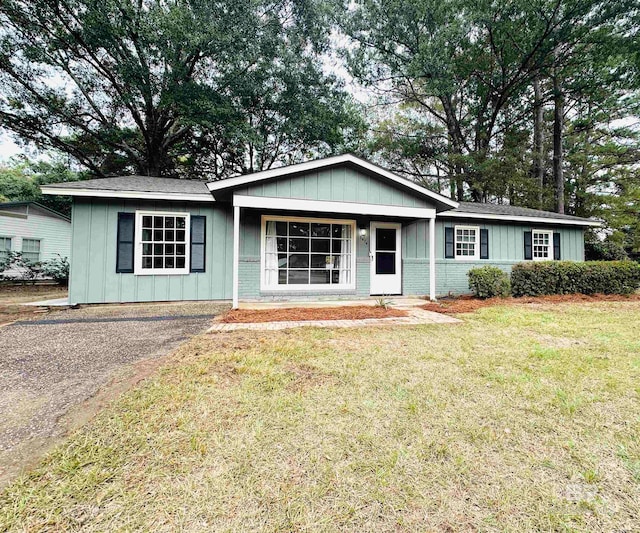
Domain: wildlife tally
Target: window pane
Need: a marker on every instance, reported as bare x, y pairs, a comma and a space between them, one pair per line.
298, 277
281, 229
320, 245
146, 222
282, 277
385, 263
299, 261
385, 239
169, 222
320, 230
169, 235
158, 222
180, 249
180, 235
319, 261
169, 249
146, 234
336, 246
181, 223
299, 228
180, 262
157, 262
157, 249
157, 235
321, 277
298, 245
282, 244
146, 262
146, 249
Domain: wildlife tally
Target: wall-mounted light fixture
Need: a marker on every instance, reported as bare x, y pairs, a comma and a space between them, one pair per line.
362, 231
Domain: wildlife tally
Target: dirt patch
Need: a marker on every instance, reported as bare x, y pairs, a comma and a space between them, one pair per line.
245, 316
11, 296
306, 376
469, 304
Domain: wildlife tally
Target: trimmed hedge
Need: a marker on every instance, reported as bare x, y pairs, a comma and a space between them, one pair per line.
567, 277
488, 282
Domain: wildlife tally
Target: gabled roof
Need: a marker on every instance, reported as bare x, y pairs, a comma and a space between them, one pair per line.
145, 187
27, 204
510, 212
319, 164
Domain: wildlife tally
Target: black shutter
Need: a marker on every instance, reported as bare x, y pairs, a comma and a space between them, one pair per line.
198, 239
449, 251
125, 245
556, 246
528, 247
484, 244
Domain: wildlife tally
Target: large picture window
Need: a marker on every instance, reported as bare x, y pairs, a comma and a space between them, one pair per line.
162, 243
467, 242
302, 253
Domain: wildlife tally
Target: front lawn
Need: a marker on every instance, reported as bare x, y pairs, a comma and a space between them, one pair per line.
522, 418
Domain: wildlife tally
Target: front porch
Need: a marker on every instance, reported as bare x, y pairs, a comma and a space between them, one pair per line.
320, 251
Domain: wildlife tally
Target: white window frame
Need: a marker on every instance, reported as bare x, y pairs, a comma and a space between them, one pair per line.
137, 269
23, 251
533, 246
4, 250
476, 249
325, 287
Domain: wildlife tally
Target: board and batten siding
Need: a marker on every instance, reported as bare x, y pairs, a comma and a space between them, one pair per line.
93, 277
506, 248
54, 233
340, 184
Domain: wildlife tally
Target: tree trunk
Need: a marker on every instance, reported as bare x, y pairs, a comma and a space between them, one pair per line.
558, 118
538, 138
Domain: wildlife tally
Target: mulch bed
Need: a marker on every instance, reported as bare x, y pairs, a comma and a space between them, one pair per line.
359, 312
468, 304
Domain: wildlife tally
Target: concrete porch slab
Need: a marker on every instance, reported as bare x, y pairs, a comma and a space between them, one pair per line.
400, 302
57, 302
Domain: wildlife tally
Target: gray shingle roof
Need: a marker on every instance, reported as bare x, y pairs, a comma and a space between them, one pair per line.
138, 184
508, 210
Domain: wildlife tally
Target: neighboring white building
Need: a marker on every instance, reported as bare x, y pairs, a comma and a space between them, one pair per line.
35, 230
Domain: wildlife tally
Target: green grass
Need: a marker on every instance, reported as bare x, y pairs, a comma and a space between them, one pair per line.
520, 419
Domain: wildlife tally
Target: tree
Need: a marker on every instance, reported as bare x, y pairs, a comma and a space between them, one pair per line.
474, 68
170, 88
20, 182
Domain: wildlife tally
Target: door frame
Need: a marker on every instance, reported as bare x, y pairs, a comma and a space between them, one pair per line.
372, 263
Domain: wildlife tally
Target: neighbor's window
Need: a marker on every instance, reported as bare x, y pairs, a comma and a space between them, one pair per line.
5, 247
542, 245
299, 253
467, 245
161, 243
31, 250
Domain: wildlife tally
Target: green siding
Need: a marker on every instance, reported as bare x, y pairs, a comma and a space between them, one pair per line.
341, 184
506, 247
93, 278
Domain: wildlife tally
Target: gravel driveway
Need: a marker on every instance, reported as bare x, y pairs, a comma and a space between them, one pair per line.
54, 362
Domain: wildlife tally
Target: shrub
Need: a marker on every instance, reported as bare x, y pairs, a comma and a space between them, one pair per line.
604, 251
57, 269
16, 267
488, 282
566, 277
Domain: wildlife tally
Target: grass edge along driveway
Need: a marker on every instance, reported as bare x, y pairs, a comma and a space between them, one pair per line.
523, 418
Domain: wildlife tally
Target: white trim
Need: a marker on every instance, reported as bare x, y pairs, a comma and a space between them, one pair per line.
432, 259
397, 277
236, 255
308, 288
321, 163
144, 195
347, 208
516, 218
550, 253
137, 255
476, 244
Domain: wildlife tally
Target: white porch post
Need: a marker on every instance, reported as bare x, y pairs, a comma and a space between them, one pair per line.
236, 253
432, 258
